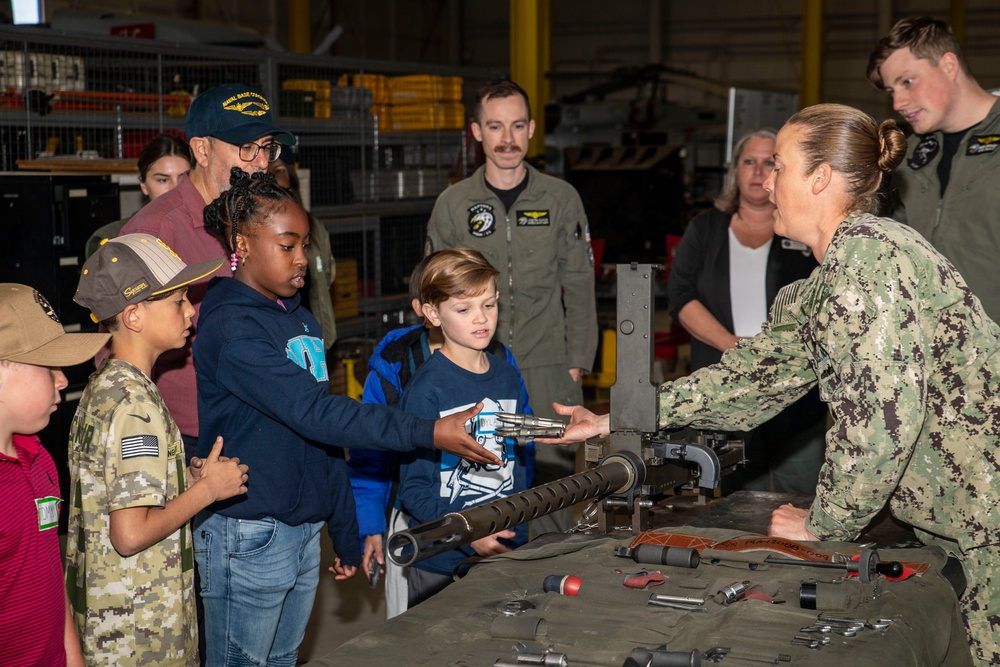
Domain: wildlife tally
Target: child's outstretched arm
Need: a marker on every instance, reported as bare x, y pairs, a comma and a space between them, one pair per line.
450, 436
136, 528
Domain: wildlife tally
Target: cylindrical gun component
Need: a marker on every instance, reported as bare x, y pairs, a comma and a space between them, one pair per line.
562, 584
616, 473
645, 657
548, 658
807, 595
735, 591
660, 555
677, 598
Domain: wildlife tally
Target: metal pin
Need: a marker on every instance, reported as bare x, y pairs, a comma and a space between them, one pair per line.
677, 598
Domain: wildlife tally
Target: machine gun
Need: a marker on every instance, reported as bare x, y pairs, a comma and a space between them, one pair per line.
634, 468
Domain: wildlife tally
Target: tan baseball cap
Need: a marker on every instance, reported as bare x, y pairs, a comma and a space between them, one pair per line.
31, 333
130, 269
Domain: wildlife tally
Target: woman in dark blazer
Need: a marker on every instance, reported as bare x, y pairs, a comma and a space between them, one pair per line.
723, 249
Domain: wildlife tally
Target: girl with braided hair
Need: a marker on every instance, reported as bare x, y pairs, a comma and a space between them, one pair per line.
263, 383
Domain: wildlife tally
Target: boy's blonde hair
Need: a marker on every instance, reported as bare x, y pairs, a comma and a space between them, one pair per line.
456, 272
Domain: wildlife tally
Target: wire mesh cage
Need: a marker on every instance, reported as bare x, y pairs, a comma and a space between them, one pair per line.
379, 140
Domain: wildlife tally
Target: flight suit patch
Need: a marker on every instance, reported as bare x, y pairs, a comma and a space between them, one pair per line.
533, 219
482, 222
924, 152
982, 144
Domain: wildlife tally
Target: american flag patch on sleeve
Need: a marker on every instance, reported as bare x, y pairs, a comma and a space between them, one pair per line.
135, 446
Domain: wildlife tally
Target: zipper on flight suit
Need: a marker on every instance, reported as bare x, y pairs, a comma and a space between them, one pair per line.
510, 277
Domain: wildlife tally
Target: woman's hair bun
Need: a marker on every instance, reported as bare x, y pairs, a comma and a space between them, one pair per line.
892, 146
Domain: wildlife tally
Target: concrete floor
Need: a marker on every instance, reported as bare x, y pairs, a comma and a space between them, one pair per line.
343, 610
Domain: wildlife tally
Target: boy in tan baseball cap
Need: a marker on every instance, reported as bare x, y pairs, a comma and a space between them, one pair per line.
33, 347
129, 555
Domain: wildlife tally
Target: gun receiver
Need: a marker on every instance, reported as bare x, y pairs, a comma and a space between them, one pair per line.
634, 467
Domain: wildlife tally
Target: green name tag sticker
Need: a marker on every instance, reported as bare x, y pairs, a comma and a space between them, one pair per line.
48, 512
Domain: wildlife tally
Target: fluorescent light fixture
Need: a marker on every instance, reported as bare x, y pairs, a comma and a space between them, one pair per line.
27, 12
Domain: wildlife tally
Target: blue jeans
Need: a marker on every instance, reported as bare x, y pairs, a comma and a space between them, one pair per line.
258, 583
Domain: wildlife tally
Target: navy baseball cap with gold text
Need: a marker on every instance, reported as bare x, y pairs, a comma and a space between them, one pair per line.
235, 114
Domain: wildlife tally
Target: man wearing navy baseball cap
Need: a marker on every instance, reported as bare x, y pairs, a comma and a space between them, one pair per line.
228, 126
232, 126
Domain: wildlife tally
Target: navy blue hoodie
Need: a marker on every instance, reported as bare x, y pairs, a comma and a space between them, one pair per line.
263, 385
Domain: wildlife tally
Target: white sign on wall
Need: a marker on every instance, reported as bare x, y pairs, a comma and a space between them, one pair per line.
755, 109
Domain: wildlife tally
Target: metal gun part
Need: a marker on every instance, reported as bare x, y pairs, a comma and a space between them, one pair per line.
529, 426
615, 474
654, 554
709, 468
867, 567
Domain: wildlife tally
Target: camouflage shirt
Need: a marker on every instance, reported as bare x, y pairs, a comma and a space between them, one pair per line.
907, 360
126, 451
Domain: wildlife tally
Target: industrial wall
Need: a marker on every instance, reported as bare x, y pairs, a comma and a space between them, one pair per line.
749, 44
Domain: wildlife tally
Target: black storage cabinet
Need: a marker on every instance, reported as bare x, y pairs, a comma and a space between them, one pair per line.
46, 221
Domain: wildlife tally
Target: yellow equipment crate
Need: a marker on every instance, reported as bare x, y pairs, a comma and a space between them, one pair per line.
377, 83
415, 88
426, 116
320, 87
384, 113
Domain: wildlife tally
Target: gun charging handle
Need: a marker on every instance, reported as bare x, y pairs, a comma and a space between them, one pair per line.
867, 567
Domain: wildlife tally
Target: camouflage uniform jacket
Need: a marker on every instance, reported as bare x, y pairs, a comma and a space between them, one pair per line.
126, 451
908, 362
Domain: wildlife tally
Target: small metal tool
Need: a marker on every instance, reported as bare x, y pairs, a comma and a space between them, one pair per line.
677, 605
515, 607
734, 592
546, 656
677, 598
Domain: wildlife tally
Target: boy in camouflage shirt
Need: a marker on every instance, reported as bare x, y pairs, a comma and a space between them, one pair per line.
130, 563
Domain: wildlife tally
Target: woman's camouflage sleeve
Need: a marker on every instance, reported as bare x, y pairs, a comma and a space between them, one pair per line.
870, 364
752, 383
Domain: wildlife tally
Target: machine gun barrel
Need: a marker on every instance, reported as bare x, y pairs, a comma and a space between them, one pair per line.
615, 474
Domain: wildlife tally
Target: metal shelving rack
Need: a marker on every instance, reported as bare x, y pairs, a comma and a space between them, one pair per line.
373, 188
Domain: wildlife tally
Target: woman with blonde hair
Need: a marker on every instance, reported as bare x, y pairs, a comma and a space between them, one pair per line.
727, 271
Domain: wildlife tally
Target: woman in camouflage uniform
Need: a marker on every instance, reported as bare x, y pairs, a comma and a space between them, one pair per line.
902, 351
